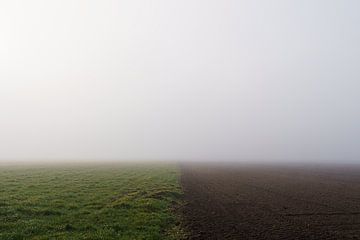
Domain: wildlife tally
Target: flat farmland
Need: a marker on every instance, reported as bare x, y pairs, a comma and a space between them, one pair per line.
272, 202
168, 202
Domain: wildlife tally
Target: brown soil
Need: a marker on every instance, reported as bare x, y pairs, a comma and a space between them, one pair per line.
257, 202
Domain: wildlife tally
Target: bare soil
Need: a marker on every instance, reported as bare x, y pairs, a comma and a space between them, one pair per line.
271, 202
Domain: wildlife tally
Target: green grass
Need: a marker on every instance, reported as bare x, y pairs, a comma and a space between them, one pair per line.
89, 202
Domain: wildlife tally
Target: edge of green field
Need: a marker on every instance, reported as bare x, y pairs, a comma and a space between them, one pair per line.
111, 201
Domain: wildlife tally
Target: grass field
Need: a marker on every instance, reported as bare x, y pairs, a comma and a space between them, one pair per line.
89, 202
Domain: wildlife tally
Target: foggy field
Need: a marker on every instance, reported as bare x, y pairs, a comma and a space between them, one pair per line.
250, 109
89, 202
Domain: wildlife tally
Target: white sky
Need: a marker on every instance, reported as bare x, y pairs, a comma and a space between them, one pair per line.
169, 79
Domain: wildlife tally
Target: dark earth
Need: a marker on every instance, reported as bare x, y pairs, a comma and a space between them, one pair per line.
271, 202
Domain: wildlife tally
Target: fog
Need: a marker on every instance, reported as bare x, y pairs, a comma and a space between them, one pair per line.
215, 80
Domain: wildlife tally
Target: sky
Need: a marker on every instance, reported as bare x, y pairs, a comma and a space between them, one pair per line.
239, 80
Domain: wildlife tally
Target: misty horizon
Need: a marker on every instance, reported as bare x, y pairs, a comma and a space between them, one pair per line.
250, 81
